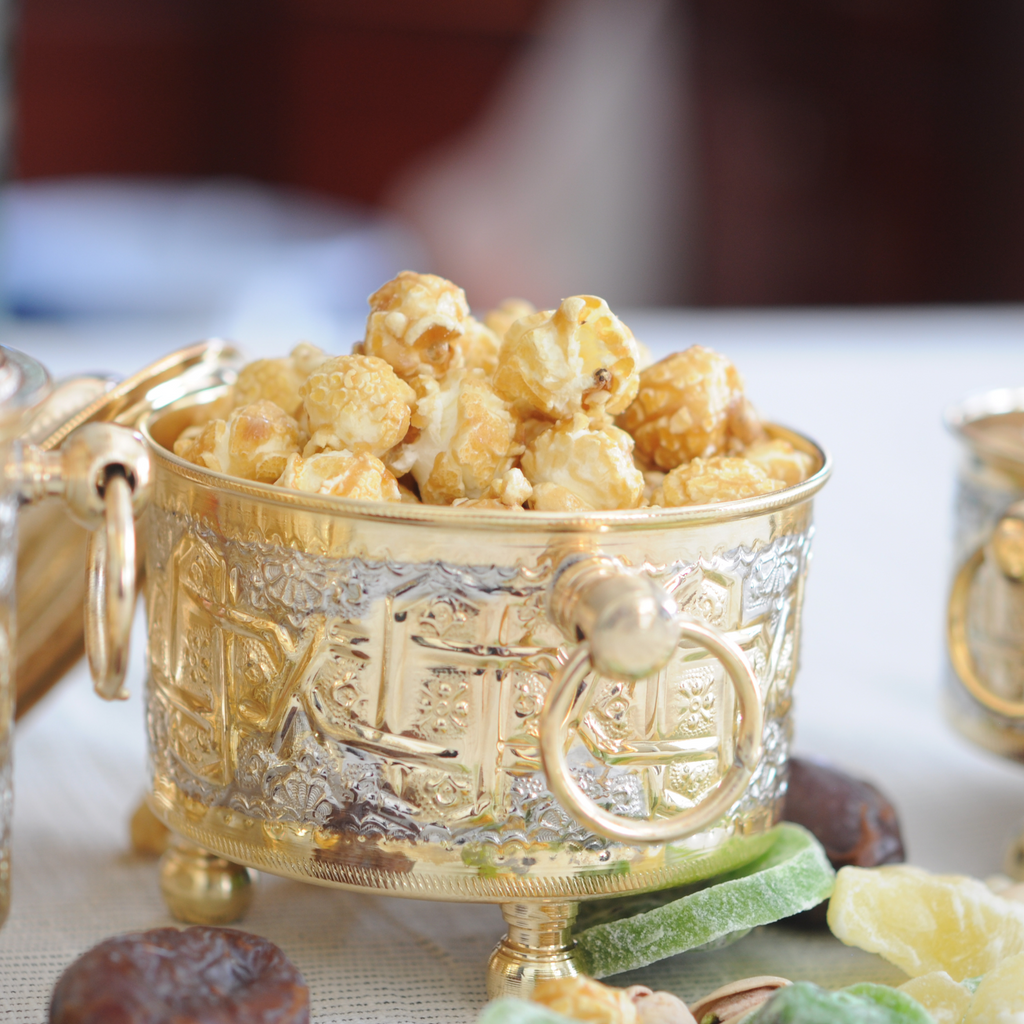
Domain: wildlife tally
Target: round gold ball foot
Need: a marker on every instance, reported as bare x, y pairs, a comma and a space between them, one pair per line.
201, 888
538, 946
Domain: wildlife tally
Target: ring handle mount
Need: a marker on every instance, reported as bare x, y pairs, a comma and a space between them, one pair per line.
628, 628
103, 473
1007, 547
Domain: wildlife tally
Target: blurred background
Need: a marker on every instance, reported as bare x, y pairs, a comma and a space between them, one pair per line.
269, 162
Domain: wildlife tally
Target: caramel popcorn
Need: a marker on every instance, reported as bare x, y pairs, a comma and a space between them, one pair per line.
343, 474
356, 403
253, 443
708, 481
415, 324
503, 316
466, 439
594, 465
278, 380
578, 357
682, 409
479, 346
781, 461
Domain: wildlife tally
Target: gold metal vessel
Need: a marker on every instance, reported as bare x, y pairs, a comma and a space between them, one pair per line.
985, 628
522, 708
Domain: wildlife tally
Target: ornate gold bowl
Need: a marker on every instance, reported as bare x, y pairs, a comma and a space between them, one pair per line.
403, 698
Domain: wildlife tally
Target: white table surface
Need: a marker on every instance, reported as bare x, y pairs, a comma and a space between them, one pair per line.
871, 387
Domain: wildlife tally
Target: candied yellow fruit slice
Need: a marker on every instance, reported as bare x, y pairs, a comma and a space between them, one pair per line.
1000, 996
945, 999
923, 922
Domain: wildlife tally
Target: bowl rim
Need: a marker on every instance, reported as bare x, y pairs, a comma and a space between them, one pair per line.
494, 519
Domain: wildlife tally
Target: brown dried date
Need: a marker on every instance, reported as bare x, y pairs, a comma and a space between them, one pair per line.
855, 822
197, 975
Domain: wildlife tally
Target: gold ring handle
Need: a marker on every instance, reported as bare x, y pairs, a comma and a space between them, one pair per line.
616, 615
1008, 551
103, 474
110, 591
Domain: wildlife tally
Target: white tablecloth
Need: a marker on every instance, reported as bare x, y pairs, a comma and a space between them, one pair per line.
870, 386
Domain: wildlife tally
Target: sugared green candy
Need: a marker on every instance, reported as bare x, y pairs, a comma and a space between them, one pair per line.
519, 1011
793, 875
804, 1003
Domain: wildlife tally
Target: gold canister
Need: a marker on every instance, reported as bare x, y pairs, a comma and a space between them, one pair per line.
101, 473
514, 707
985, 626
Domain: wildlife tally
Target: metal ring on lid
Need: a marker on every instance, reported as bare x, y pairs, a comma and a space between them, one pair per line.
567, 692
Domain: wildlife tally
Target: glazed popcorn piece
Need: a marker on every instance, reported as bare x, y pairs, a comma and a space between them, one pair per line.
479, 346
278, 380
923, 922
780, 460
945, 999
415, 324
583, 999
356, 403
253, 443
466, 440
682, 408
343, 474
577, 357
594, 465
506, 313
709, 481
553, 498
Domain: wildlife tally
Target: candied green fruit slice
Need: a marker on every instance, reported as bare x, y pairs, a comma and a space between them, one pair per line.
792, 875
923, 922
804, 1003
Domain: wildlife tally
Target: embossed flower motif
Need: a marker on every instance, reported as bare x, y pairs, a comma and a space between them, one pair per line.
773, 573
444, 705
254, 761
293, 585
698, 703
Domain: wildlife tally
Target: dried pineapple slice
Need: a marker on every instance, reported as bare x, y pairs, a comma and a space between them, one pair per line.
415, 323
945, 999
999, 998
923, 922
557, 363
356, 404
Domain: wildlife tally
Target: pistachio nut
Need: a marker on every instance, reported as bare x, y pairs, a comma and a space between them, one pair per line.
730, 1003
658, 1007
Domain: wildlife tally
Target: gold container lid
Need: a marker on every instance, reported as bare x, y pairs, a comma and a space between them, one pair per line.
51, 581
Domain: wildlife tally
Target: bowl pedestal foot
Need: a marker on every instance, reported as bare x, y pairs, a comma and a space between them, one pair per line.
538, 946
201, 888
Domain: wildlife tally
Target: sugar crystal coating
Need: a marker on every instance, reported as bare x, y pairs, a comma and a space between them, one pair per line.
999, 998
